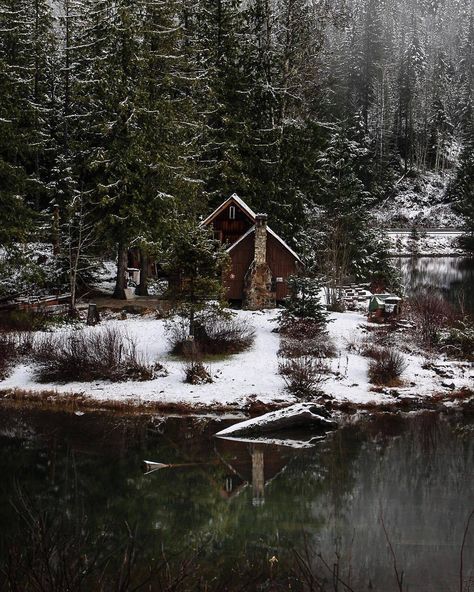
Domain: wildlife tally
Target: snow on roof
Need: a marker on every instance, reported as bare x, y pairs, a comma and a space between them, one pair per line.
248, 210
270, 231
234, 197
280, 240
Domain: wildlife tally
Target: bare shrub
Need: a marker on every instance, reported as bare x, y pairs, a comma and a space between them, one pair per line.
302, 329
8, 353
386, 366
370, 345
83, 356
196, 373
303, 376
12, 347
213, 335
320, 346
32, 320
431, 313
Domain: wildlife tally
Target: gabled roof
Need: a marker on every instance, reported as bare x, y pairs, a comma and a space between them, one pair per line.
252, 215
233, 198
270, 231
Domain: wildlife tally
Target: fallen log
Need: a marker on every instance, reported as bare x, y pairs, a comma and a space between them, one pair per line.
295, 416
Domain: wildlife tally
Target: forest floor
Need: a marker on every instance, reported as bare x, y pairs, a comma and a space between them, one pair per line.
252, 377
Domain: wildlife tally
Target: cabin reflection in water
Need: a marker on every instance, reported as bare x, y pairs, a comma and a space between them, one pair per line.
249, 464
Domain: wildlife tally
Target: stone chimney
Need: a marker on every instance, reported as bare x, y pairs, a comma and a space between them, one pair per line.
260, 239
258, 285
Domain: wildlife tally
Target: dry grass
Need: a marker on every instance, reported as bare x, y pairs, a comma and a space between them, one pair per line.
54, 400
386, 367
213, 335
84, 356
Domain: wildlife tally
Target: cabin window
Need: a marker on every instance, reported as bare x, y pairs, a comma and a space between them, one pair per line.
232, 213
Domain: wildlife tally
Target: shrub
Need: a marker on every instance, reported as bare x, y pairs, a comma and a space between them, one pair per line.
13, 346
430, 313
197, 373
22, 320
31, 320
386, 366
8, 353
213, 335
319, 346
459, 340
303, 376
88, 355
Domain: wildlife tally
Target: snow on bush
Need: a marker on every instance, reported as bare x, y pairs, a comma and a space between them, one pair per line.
106, 354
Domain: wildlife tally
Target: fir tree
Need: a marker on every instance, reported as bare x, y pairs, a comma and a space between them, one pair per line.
304, 302
197, 263
462, 192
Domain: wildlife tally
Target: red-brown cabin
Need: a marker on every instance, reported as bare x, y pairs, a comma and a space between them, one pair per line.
261, 261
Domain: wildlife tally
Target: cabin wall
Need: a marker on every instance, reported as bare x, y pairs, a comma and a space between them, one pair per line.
280, 261
241, 258
229, 231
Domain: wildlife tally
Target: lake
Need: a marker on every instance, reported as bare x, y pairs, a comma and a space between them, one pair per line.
390, 495
452, 276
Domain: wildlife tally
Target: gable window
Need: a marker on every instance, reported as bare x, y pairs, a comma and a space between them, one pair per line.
232, 213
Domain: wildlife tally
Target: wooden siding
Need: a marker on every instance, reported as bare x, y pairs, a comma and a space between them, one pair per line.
281, 262
231, 230
241, 258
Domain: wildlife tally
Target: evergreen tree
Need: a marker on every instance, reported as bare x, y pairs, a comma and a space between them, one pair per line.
197, 263
462, 191
304, 302
26, 47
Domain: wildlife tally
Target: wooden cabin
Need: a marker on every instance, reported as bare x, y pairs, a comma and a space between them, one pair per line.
261, 261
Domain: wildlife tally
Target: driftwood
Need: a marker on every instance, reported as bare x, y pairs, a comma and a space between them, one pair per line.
296, 416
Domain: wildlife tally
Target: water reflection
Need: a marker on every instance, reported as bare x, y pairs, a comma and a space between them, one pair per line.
242, 503
452, 276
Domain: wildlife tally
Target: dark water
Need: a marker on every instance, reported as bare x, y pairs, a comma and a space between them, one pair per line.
221, 518
452, 276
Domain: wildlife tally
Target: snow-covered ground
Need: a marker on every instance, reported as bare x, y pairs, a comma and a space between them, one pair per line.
422, 201
253, 373
439, 243
350, 378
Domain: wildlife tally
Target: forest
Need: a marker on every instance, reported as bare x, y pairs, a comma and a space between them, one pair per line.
119, 119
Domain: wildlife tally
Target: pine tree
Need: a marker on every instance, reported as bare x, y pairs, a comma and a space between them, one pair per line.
197, 262
462, 191
26, 47
304, 302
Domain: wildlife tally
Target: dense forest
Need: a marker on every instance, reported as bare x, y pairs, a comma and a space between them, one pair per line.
120, 117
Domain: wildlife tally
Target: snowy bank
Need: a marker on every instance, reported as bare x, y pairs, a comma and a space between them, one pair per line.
253, 375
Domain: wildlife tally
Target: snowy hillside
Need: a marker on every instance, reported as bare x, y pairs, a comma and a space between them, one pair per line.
421, 201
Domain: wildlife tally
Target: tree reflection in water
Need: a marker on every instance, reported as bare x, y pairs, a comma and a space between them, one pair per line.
235, 515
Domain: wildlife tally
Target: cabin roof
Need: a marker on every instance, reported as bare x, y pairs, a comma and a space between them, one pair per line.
272, 233
252, 215
233, 198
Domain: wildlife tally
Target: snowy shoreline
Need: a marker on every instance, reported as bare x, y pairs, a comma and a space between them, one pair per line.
251, 377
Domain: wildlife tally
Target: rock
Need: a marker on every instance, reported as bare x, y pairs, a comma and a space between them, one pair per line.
295, 416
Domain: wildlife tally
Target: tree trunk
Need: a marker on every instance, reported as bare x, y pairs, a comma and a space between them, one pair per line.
142, 289
122, 264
